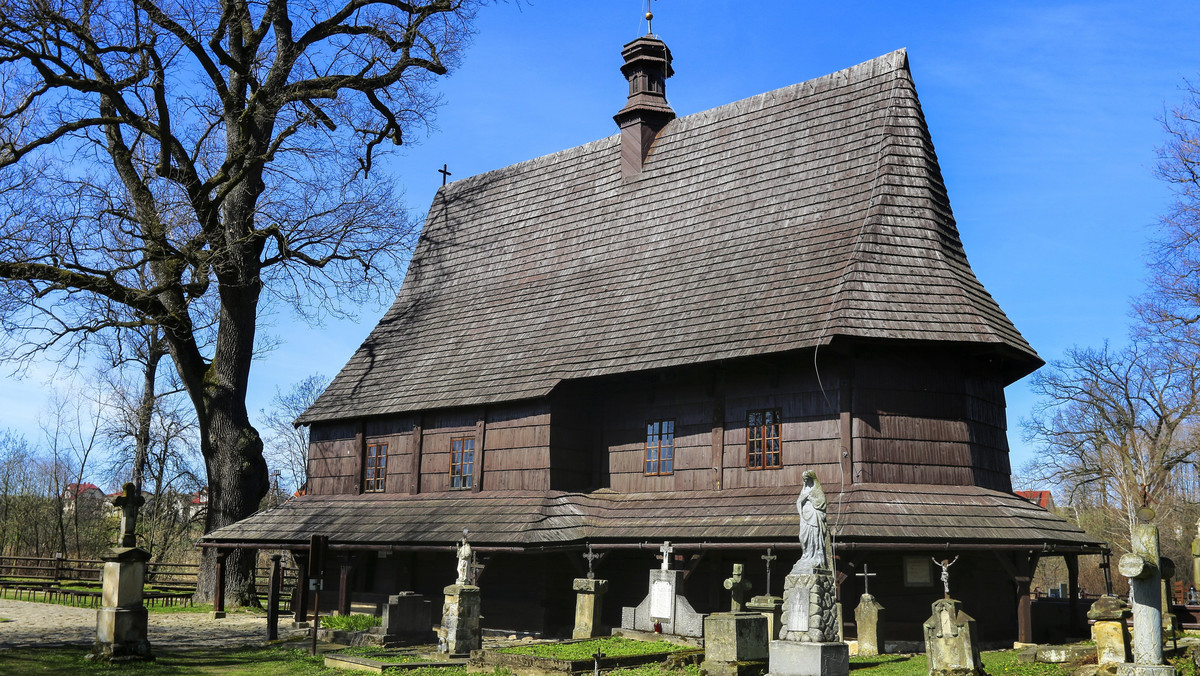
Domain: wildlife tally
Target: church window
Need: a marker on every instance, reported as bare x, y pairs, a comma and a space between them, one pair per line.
462, 462
376, 468
763, 447
660, 447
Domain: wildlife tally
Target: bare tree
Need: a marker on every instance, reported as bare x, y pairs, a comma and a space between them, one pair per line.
1172, 305
160, 154
286, 443
1115, 425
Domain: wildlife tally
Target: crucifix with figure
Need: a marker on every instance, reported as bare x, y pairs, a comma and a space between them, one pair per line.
666, 550
945, 564
591, 557
129, 501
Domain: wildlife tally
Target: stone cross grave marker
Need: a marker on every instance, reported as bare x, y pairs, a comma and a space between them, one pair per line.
769, 557
1142, 567
945, 564
737, 588
866, 575
129, 501
666, 550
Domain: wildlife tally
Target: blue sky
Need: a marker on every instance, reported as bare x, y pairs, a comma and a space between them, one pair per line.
1044, 116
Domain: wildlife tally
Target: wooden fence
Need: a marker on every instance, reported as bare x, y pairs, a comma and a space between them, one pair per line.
58, 579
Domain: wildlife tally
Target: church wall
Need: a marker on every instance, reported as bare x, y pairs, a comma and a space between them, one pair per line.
517, 447
397, 433
334, 454
928, 418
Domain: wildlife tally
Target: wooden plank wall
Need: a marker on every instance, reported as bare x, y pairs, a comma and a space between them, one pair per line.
701, 401
333, 459
396, 432
517, 456
810, 431
924, 419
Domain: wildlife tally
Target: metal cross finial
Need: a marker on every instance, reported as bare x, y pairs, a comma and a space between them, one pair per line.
666, 550
129, 501
445, 173
591, 557
945, 564
649, 19
769, 557
866, 575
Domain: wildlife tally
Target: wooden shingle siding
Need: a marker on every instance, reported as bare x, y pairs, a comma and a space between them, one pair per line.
796, 218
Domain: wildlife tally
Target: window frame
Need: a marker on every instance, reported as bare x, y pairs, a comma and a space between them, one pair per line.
757, 435
462, 471
374, 471
659, 427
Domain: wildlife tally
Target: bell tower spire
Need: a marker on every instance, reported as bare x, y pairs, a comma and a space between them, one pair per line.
647, 67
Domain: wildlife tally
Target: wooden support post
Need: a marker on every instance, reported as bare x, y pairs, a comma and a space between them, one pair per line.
347, 566
846, 421
480, 439
414, 479
300, 596
1072, 561
219, 594
1026, 563
273, 598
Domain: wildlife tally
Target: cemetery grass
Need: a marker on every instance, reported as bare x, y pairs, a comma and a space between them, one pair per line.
268, 661
583, 650
351, 622
998, 663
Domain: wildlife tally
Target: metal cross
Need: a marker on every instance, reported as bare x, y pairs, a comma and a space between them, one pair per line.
443, 171
649, 18
666, 550
865, 575
596, 657
591, 556
945, 564
769, 557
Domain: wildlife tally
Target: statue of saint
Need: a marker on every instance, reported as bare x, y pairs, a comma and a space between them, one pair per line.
813, 529
464, 563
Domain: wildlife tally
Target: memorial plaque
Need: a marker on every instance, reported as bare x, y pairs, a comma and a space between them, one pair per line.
797, 619
662, 600
917, 572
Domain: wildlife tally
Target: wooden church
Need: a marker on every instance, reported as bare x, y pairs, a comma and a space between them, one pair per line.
650, 337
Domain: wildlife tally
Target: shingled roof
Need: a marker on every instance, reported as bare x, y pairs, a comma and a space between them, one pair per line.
780, 222
862, 515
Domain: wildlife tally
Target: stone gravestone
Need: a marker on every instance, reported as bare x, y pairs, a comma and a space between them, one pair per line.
407, 620
664, 610
808, 642
1108, 615
869, 618
121, 619
1143, 568
735, 642
589, 599
460, 632
1166, 573
951, 639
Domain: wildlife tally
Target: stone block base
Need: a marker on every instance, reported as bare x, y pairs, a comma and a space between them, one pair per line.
1145, 670
749, 668
735, 637
798, 658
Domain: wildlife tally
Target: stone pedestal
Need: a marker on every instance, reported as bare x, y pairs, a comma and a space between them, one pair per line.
951, 642
460, 632
734, 643
589, 599
810, 608
772, 608
869, 616
802, 658
809, 634
1109, 632
121, 620
407, 620
664, 608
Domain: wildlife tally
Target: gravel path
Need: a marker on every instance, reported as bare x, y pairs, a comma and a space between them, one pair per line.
45, 624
